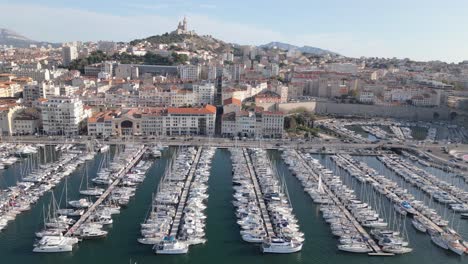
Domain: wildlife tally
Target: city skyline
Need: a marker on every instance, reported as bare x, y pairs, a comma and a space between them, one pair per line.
354, 30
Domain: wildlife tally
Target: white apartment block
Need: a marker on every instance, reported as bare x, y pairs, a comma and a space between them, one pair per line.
243, 91
182, 97
69, 53
156, 121
7, 113
417, 96
61, 115
189, 72
253, 124
9, 89
25, 125
366, 97
38, 75
204, 93
190, 121
36, 90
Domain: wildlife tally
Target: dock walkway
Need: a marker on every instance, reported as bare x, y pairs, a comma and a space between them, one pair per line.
184, 195
120, 174
377, 251
418, 213
259, 195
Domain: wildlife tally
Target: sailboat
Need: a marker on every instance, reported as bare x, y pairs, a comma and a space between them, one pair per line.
96, 191
68, 211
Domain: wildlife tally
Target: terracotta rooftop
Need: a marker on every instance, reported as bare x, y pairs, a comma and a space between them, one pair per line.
208, 109
232, 101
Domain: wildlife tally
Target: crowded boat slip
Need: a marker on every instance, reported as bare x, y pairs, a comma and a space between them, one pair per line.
345, 213
119, 179
262, 204
176, 219
36, 179
274, 202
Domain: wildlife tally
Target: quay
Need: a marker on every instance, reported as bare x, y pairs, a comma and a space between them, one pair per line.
120, 174
377, 251
184, 195
259, 194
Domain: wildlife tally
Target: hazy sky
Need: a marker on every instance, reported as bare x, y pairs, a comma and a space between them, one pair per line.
418, 29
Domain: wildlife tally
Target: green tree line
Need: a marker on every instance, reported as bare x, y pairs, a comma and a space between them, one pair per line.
149, 58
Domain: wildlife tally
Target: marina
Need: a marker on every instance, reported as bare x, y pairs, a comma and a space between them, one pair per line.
339, 206
424, 219
211, 195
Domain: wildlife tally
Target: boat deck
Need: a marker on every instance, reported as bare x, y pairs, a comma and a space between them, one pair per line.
259, 195
377, 251
136, 158
184, 195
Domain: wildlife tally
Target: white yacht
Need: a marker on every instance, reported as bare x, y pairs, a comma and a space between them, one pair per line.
355, 248
92, 233
418, 225
397, 249
170, 246
254, 237
82, 203
439, 241
280, 246
55, 244
92, 192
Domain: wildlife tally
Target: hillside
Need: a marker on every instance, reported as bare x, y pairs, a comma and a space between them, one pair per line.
9, 37
304, 49
194, 42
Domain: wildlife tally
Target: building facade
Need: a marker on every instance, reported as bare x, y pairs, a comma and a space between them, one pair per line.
61, 115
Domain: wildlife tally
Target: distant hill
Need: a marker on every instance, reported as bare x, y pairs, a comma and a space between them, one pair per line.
9, 37
194, 41
304, 49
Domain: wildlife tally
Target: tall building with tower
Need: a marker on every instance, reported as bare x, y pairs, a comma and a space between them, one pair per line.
182, 28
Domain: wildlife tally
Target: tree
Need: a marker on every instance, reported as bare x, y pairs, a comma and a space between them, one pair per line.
179, 58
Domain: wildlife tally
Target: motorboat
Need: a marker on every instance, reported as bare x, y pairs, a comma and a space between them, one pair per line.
280, 246
171, 246
81, 203
55, 244
439, 241
92, 192
91, 233
254, 237
418, 225
397, 249
355, 248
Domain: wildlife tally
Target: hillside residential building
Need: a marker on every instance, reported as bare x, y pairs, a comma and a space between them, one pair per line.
231, 105
253, 124
69, 53
189, 72
61, 115
155, 121
37, 90
366, 97
204, 93
25, 124
8, 109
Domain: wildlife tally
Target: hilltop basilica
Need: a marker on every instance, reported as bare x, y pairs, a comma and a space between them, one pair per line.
182, 29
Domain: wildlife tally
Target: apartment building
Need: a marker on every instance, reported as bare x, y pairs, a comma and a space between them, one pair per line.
61, 115
158, 121
256, 124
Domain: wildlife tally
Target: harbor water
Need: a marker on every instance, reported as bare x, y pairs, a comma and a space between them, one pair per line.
224, 244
